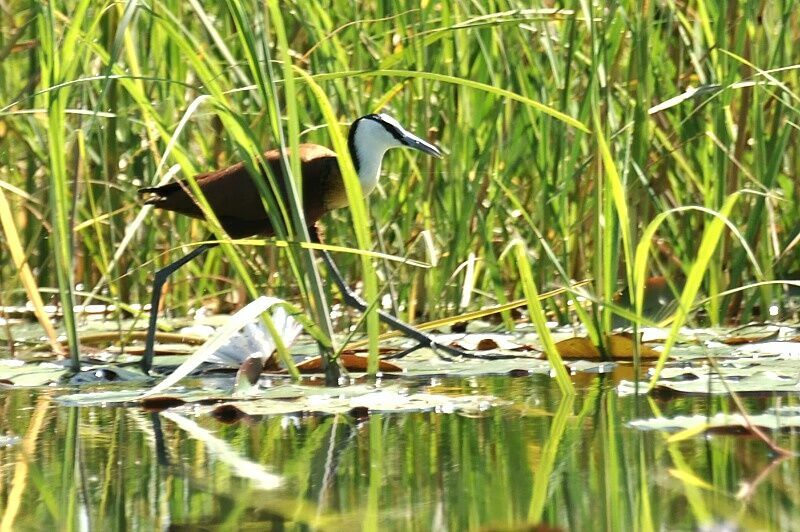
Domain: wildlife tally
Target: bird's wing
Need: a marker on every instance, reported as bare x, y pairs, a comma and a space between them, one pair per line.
231, 193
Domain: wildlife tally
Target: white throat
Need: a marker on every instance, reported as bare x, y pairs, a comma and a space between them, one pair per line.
370, 144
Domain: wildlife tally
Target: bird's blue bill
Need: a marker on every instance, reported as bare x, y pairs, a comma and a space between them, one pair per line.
412, 141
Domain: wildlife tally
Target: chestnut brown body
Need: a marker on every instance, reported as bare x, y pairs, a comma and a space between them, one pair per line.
236, 201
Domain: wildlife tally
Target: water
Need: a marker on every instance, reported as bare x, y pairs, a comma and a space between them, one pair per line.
573, 464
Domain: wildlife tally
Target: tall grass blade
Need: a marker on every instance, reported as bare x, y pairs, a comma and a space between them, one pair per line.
59, 61
25, 274
705, 252
544, 473
358, 209
538, 316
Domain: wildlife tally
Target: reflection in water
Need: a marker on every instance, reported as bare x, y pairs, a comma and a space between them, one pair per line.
574, 464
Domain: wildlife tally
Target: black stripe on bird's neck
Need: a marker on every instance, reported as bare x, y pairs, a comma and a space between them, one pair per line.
393, 131
351, 145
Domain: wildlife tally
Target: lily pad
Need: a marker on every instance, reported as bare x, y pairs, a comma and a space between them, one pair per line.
351, 363
749, 372
136, 395
17, 373
328, 401
491, 342
750, 334
773, 419
426, 362
106, 373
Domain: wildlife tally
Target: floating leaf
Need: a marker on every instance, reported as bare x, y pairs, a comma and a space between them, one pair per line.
619, 345
750, 334
351, 363
765, 382
587, 366
105, 374
136, 396
742, 374
424, 362
292, 399
157, 404
622, 345
577, 348
117, 397
785, 350
17, 373
488, 342
386, 399
773, 419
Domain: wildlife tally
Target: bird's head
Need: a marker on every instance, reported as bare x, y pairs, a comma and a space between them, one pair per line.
374, 134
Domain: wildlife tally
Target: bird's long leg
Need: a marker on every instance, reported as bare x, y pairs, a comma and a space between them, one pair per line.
158, 283
353, 300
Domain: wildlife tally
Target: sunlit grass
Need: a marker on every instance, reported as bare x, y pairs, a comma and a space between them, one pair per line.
550, 120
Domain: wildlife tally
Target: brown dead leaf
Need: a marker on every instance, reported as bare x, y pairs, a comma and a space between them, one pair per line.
621, 345
157, 404
351, 363
577, 347
486, 344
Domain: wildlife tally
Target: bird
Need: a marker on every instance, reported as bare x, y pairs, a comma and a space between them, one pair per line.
236, 202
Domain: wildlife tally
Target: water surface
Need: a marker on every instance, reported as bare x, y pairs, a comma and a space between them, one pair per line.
573, 464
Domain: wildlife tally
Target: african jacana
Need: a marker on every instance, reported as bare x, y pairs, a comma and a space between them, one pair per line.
236, 202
